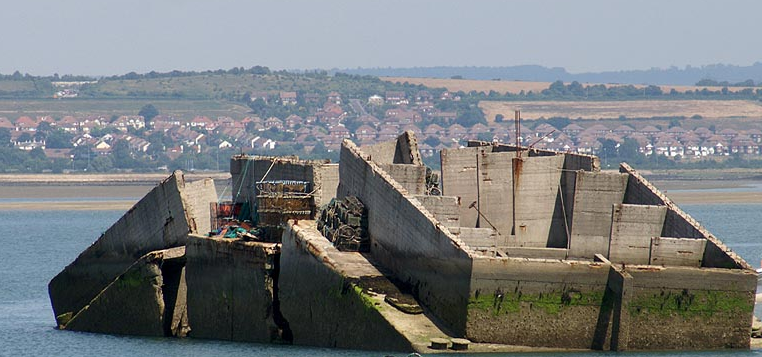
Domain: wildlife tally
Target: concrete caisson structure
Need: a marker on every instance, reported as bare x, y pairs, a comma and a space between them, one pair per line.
523, 250
160, 220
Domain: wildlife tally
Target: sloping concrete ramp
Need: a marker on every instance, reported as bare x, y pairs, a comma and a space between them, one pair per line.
160, 220
148, 300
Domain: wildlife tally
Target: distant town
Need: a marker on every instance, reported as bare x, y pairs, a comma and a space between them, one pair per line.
313, 123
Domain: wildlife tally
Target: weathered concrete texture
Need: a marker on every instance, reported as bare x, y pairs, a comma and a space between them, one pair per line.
247, 170
408, 240
459, 179
679, 224
135, 303
688, 308
160, 220
539, 303
536, 183
403, 150
444, 208
336, 299
411, 177
677, 251
476, 238
594, 196
196, 198
495, 191
632, 228
230, 289
572, 161
381, 153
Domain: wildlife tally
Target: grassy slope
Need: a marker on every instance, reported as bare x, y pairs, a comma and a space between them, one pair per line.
108, 107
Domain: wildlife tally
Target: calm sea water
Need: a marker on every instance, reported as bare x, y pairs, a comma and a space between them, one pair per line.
36, 245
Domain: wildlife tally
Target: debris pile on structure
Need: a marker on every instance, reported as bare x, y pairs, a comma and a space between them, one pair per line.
345, 223
432, 183
281, 200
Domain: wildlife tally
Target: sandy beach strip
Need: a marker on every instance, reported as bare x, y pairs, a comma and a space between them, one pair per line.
67, 205
151, 179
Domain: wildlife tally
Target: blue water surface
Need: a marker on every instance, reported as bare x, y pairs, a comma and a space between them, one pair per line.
36, 245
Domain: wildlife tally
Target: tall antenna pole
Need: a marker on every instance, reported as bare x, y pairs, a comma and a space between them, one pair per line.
517, 128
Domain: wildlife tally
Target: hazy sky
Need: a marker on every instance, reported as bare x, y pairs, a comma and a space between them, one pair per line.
103, 37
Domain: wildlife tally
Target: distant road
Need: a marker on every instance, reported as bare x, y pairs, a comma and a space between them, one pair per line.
357, 106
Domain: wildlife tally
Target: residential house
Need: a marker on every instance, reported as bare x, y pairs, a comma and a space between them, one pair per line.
365, 132
334, 97
274, 123
623, 130
456, 131
124, 122
396, 98
743, 144
728, 133
25, 123
292, 121
573, 129
423, 97
649, 131
264, 96
434, 130
703, 133
202, 122
755, 135
376, 100
288, 98
388, 132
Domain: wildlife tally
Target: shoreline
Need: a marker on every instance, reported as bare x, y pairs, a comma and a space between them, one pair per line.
115, 191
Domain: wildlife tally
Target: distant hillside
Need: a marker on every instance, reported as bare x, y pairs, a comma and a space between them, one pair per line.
657, 76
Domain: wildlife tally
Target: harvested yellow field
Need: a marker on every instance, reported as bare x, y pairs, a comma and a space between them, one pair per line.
630, 109
515, 87
467, 85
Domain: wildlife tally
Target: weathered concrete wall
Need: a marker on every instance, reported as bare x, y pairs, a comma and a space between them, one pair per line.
411, 177
336, 299
539, 303
444, 208
160, 220
679, 224
134, 303
476, 237
632, 228
328, 183
572, 161
688, 308
677, 251
381, 153
460, 179
247, 170
403, 150
406, 239
230, 289
406, 151
196, 199
536, 181
495, 190
595, 195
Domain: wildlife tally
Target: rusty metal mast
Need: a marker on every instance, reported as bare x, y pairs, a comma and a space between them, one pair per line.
517, 128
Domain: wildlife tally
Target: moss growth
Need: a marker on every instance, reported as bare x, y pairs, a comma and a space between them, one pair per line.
552, 302
132, 279
347, 290
685, 303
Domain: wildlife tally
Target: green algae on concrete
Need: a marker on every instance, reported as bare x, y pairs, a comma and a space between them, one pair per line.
691, 303
552, 302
